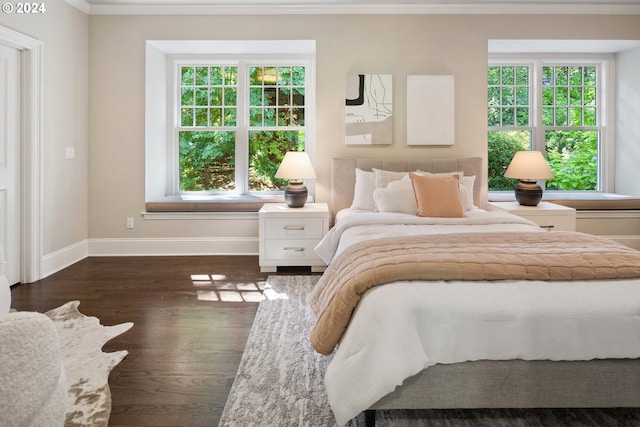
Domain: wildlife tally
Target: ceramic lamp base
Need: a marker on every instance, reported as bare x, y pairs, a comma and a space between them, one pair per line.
295, 194
528, 193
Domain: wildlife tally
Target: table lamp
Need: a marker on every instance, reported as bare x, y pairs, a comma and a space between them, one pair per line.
528, 167
296, 167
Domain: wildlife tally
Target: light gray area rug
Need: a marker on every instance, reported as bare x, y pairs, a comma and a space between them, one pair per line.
87, 367
280, 379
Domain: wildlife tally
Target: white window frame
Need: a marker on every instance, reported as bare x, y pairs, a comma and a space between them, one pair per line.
242, 128
605, 96
161, 161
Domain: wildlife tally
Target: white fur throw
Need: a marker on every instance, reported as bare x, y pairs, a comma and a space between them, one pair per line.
33, 390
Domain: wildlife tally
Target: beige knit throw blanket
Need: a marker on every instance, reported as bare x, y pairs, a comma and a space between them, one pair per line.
551, 256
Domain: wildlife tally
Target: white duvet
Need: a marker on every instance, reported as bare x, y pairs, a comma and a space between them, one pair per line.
401, 328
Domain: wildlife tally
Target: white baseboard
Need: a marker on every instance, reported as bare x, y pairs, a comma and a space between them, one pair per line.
174, 246
60, 259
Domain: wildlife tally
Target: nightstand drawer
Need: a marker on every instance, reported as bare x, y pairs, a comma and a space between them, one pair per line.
292, 249
288, 228
553, 223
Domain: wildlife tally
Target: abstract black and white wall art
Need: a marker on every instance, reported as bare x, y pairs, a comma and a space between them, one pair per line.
369, 109
430, 110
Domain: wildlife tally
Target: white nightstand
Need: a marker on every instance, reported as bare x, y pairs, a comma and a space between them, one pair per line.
547, 215
288, 236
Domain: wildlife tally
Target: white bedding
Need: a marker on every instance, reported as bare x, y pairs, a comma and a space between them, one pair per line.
409, 326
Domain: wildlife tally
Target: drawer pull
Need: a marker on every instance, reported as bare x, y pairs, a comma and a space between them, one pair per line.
547, 227
294, 249
294, 227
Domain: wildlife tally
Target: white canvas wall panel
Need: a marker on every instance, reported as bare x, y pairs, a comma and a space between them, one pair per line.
369, 109
430, 110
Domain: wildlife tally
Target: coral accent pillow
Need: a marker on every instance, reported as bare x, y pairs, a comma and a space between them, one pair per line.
437, 196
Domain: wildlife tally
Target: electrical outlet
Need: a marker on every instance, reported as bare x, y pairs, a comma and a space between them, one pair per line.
130, 223
69, 153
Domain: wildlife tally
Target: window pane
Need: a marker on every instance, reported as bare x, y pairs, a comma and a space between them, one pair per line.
230, 76
494, 116
547, 76
561, 96
575, 96
186, 117
493, 96
522, 116
562, 76
284, 76
507, 96
575, 116
230, 117
270, 115
561, 117
522, 96
215, 96
202, 117
201, 96
547, 96
575, 76
230, 96
202, 76
266, 151
493, 76
297, 116
215, 76
255, 96
573, 158
298, 96
216, 117
508, 116
187, 77
589, 96
207, 161
590, 117
507, 75
547, 117
187, 96
298, 77
503, 145
522, 76
589, 76
255, 117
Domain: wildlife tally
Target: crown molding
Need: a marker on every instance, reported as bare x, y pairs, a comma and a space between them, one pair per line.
81, 5
453, 8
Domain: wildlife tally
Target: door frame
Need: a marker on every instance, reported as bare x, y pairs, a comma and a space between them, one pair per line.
30, 151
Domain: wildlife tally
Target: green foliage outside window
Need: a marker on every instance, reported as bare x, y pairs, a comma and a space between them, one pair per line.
573, 158
503, 145
210, 120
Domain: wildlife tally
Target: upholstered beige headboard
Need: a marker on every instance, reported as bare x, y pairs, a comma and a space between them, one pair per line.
343, 174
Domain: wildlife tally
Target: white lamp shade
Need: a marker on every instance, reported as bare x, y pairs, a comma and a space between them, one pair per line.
528, 166
296, 165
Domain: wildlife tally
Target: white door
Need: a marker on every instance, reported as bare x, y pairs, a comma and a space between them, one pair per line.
10, 160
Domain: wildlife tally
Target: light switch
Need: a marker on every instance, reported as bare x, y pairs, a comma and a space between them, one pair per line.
69, 153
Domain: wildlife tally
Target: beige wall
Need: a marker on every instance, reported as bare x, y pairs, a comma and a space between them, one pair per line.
64, 32
398, 45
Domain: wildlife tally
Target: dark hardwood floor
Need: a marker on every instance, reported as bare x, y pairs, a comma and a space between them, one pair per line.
192, 317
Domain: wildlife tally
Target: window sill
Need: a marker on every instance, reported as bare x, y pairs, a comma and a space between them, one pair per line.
190, 204
579, 200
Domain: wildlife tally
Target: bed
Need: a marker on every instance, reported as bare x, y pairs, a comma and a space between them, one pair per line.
578, 369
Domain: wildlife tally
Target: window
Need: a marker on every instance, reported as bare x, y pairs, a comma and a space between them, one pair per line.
235, 121
219, 116
553, 106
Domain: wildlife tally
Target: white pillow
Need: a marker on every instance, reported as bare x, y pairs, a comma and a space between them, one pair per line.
383, 177
363, 191
467, 183
398, 196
